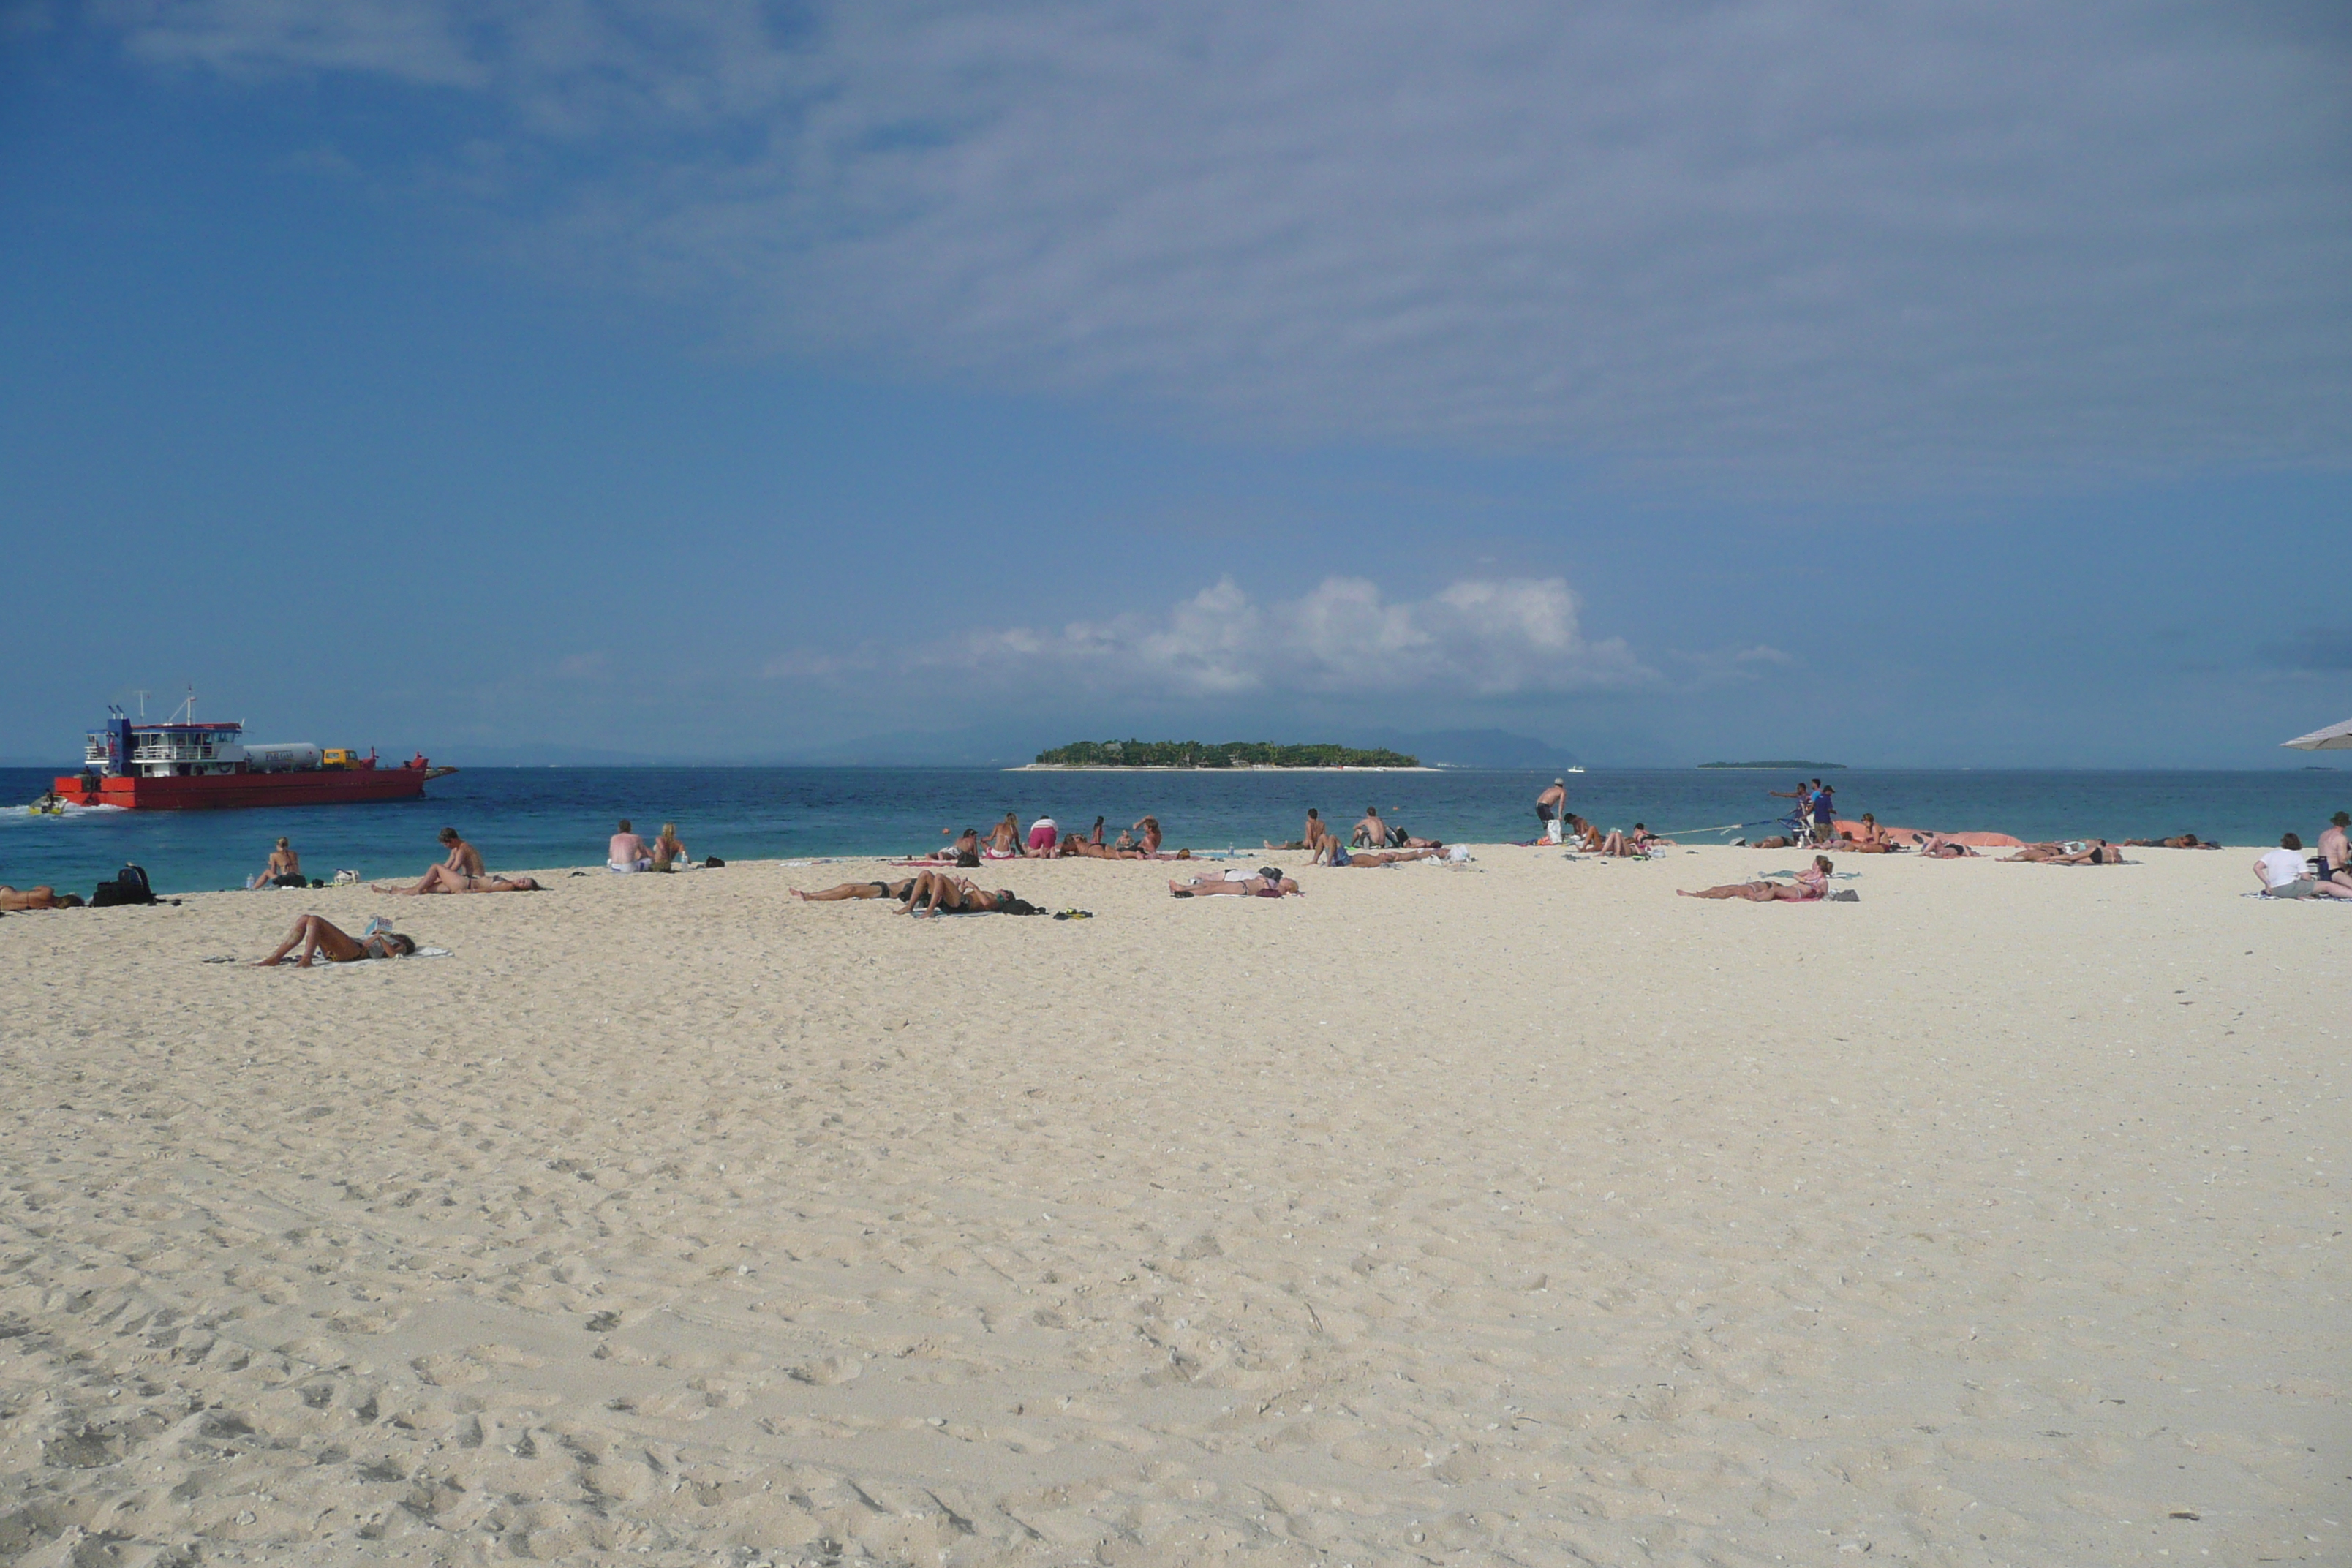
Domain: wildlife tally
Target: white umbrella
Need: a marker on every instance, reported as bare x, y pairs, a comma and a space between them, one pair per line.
2334, 738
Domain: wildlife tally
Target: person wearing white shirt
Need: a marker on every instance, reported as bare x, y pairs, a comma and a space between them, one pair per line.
2285, 873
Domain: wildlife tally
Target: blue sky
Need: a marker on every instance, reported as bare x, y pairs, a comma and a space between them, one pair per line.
1900, 385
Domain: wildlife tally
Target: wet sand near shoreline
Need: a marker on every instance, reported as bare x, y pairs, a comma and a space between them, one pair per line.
1519, 1212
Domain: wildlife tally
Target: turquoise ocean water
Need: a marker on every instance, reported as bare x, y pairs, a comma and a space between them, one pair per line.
539, 817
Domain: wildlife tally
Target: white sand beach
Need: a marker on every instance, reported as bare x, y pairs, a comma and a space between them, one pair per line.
1519, 1213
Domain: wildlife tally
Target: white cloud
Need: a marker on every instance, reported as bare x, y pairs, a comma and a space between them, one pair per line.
1473, 638
1810, 233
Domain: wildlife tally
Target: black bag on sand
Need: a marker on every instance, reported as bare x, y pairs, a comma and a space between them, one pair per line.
713, 863
130, 886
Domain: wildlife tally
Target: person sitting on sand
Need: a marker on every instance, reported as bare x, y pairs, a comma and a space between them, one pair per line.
40, 898
1309, 838
670, 850
1005, 838
463, 858
1584, 838
1811, 886
319, 938
1094, 838
1371, 832
2335, 849
627, 852
1256, 884
1042, 835
1868, 839
2286, 873
284, 870
1147, 846
441, 880
1631, 845
859, 890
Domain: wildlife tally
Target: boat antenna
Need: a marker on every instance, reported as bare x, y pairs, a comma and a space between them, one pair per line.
142, 707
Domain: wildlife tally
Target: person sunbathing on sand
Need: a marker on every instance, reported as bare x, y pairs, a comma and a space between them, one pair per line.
41, 897
936, 890
441, 880
1811, 886
318, 938
1936, 847
1148, 844
857, 890
2178, 841
1337, 853
1583, 837
2097, 852
964, 851
1257, 885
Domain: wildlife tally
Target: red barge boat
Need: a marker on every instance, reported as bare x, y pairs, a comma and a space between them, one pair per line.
191, 766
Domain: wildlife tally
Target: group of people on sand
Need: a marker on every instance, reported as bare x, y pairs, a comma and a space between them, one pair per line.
461, 871
2290, 872
629, 853
1142, 841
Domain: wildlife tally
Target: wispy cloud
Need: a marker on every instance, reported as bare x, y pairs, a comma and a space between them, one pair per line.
1475, 638
1808, 233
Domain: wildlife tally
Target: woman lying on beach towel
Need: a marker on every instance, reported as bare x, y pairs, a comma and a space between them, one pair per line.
857, 890
1336, 854
2097, 852
935, 891
2179, 841
317, 938
1258, 884
42, 898
441, 880
1941, 846
1811, 885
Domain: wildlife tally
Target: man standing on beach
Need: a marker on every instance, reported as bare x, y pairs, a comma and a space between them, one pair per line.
1551, 809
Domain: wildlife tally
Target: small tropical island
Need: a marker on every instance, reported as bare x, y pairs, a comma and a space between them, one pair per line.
1232, 754
1786, 763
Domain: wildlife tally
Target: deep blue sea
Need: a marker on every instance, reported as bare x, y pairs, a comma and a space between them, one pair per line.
544, 818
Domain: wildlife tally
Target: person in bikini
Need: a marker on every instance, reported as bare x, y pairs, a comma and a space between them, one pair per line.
933, 891
318, 938
1256, 885
1868, 839
2178, 841
284, 870
1144, 848
964, 851
2097, 852
669, 849
42, 898
1938, 846
1336, 854
1005, 838
1811, 885
859, 890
